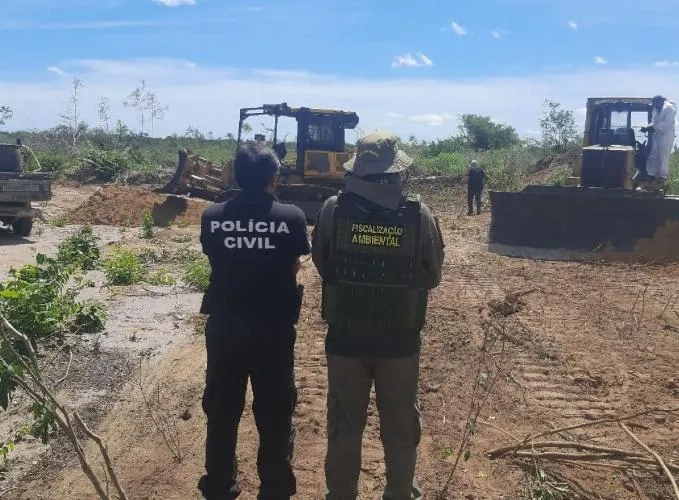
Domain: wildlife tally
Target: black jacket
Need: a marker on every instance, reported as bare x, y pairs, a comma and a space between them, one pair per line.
253, 243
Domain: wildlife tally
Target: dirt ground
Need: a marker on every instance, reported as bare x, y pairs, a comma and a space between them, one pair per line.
587, 341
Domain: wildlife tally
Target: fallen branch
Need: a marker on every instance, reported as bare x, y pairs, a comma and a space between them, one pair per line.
504, 450
501, 431
602, 421
68, 369
556, 455
104, 453
33, 384
483, 386
3, 492
657, 457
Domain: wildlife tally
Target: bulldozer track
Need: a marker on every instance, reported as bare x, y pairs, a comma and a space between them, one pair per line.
546, 386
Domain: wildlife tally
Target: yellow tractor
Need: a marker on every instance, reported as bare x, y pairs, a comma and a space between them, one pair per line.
607, 209
315, 174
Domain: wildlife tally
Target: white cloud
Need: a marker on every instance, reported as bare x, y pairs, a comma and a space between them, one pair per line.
600, 60
56, 70
175, 3
495, 34
416, 61
666, 64
432, 119
457, 29
188, 92
391, 114
573, 25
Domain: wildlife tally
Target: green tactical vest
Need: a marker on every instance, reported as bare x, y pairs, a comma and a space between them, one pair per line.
373, 280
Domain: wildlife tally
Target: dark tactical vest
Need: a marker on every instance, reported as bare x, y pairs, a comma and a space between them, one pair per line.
373, 278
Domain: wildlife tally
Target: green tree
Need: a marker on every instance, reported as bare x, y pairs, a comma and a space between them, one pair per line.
6, 114
558, 127
480, 132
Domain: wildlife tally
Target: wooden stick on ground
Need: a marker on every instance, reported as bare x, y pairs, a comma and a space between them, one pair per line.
657, 457
561, 456
604, 421
562, 444
104, 454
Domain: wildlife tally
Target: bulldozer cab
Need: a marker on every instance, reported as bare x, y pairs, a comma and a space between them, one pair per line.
320, 145
614, 148
315, 174
613, 121
600, 214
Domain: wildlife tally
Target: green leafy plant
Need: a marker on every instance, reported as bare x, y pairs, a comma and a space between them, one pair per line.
162, 277
147, 225
35, 297
44, 421
80, 249
49, 415
89, 317
197, 274
123, 268
58, 222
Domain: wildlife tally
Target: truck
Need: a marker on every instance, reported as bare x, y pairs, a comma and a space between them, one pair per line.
20, 189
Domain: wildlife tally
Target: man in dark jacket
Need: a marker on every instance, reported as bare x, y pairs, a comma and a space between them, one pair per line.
476, 178
253, 243
378, 253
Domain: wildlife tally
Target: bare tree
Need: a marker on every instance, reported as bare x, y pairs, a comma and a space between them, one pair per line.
72, 115
156, 110
104, 111
147, 106
136, 100
6, 114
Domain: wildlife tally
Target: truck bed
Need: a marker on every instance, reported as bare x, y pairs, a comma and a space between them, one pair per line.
18, 187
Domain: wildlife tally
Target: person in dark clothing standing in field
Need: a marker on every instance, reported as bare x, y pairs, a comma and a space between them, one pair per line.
253, 243
476, 178
378, 252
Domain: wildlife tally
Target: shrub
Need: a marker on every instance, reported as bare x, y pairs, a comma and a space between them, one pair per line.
80, 249
34, 298
123, 268
197, 274
48, 161
89, 317
162, 278
147, 225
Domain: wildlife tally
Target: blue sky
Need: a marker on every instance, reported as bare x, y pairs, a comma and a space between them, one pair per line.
411, 67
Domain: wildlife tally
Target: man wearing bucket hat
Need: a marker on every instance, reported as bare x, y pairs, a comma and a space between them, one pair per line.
378, 253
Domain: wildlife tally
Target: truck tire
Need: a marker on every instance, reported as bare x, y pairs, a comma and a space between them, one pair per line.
23, 227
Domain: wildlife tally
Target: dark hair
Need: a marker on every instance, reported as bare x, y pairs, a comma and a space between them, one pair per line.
254, 166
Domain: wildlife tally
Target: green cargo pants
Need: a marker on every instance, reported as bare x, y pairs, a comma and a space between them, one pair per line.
349, 384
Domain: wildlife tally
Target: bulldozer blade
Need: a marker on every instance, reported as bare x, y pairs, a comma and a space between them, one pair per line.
172, 187
576, 223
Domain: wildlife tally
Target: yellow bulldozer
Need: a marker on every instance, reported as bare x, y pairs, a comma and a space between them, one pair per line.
315, 174
607, 209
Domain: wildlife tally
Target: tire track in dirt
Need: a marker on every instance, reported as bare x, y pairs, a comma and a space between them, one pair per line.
546, 387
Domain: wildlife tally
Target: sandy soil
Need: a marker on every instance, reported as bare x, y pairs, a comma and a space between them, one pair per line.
589, 340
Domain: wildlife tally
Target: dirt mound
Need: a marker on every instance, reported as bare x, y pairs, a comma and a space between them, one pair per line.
116, 205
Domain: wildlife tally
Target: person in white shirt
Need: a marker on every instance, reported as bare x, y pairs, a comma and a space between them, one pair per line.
662, 140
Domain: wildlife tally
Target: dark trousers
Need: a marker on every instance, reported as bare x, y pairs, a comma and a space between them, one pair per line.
234, 353
349, 384
474, 195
